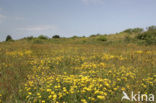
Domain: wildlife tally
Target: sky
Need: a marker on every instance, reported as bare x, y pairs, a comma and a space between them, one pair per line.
22, 18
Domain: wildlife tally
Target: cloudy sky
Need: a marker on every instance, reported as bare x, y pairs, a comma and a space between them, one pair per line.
20, 18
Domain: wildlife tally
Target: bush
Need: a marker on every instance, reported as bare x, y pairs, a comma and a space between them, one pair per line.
128, 31
151, 41
29, 38
134, 30
42, 37
151, 28
74, 37
95, 35
149, 37
8, 38
102, 38
56, 36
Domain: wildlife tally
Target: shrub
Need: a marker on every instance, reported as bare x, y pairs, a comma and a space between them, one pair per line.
128, 31
56, 36
102, 38
134, 30
149, 37
73, 37
8, 38
29, 38
42, 37
151, 28
95, 35
137, 30
151, 41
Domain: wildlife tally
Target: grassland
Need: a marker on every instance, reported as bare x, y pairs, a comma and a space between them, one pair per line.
75, 70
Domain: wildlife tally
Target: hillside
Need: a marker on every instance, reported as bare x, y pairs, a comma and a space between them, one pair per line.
78, 69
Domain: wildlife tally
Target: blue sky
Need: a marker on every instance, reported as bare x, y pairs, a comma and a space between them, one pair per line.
20, 18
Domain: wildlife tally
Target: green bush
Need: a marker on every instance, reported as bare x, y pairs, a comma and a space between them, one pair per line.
134, 30
151, 41
56, 36
8, 38
29, 38
151, 28
95, 35
102, 38
149, 36
74, 37
42, 37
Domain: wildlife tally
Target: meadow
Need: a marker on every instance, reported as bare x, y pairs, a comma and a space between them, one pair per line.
74, 71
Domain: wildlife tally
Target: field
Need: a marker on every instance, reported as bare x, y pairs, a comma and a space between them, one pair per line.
80, 72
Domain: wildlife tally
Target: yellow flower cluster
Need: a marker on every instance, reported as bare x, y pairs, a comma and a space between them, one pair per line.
93, 82
149, 84
19, 53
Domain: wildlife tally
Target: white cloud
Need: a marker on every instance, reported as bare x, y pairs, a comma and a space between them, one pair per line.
2, 18
92, 1
37, 28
